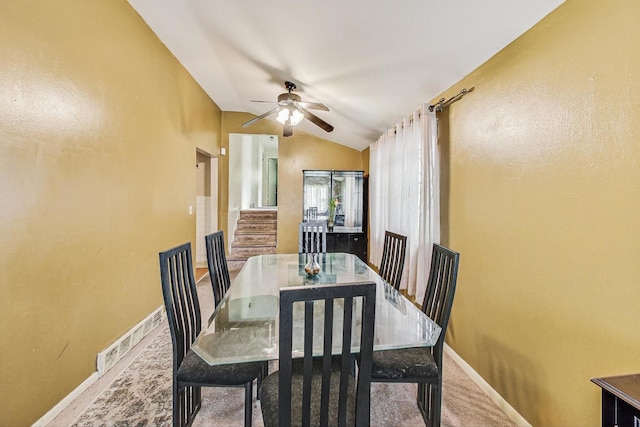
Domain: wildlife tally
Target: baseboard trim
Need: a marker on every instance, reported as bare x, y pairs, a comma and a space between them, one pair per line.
107, 358
198, 280
487, 389
62, 405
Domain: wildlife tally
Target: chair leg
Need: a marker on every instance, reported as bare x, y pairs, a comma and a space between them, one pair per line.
186, 404
177, 401
430, 403
422, 403
248, 403
259, 385
436, 402
263, 374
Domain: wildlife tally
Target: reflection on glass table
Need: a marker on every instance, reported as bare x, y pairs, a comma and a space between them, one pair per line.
244, 326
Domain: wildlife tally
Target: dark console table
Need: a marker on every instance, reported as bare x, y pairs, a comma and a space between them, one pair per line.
350, 242
620, 400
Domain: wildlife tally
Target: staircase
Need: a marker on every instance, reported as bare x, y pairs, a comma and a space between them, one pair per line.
255, 234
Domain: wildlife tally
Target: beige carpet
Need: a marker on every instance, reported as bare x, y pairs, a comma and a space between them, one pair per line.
141, 396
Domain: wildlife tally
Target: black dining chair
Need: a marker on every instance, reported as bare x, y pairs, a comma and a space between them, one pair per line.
312, 237
322, 390
221, 280
190, 371
393, 254
424, 365
217, 264
312, 214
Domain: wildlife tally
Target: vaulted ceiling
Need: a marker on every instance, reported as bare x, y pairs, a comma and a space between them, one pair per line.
369, 62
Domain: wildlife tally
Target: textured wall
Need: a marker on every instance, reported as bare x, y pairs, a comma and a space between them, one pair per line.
99, 126
542, 180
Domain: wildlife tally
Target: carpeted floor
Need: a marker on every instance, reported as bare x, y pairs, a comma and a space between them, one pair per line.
141, 396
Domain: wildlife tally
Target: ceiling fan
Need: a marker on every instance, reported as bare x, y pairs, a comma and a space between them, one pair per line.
291, 110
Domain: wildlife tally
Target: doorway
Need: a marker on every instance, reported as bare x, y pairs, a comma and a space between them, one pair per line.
253, 174
270, 186
206, 203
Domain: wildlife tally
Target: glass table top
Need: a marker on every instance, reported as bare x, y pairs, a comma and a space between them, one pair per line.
244, 326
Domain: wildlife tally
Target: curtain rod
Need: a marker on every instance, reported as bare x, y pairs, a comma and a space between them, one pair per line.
440, 105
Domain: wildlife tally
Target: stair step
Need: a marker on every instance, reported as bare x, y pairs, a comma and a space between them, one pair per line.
254, 239
257, 221
235, 262
256, 225
256, 217
251, 250
258, 211
256, 232
235, 265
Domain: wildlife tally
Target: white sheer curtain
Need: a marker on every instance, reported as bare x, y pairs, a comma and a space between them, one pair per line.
404, 194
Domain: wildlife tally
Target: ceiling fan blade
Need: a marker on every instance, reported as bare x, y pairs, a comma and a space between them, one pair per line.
287, 130
314, 106
270, 102
260, 117
317, 121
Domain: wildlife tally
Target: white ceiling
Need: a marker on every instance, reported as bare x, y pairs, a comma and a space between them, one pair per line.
370, 62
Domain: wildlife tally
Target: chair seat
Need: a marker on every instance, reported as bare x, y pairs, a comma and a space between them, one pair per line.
269, 397
194, 370
410, 364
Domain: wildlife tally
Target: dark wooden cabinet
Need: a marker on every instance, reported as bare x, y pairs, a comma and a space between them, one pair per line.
352, 243
340, 199
620, 400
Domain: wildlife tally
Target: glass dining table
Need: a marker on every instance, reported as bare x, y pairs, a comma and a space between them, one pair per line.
244, 325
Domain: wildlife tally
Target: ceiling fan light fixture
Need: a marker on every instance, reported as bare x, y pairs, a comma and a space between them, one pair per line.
292, 113
296, 116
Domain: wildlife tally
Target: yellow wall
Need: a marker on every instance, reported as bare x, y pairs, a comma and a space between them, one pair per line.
99, 126
365, 160
543, 202
296, 153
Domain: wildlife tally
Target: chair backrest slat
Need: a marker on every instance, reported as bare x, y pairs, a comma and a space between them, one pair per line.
393, 255
312, 237
321, 369
326, 362
441, 285
180, 299
308, 361
345, 365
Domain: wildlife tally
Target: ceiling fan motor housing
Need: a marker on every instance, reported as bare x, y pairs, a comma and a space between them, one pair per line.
287, 98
